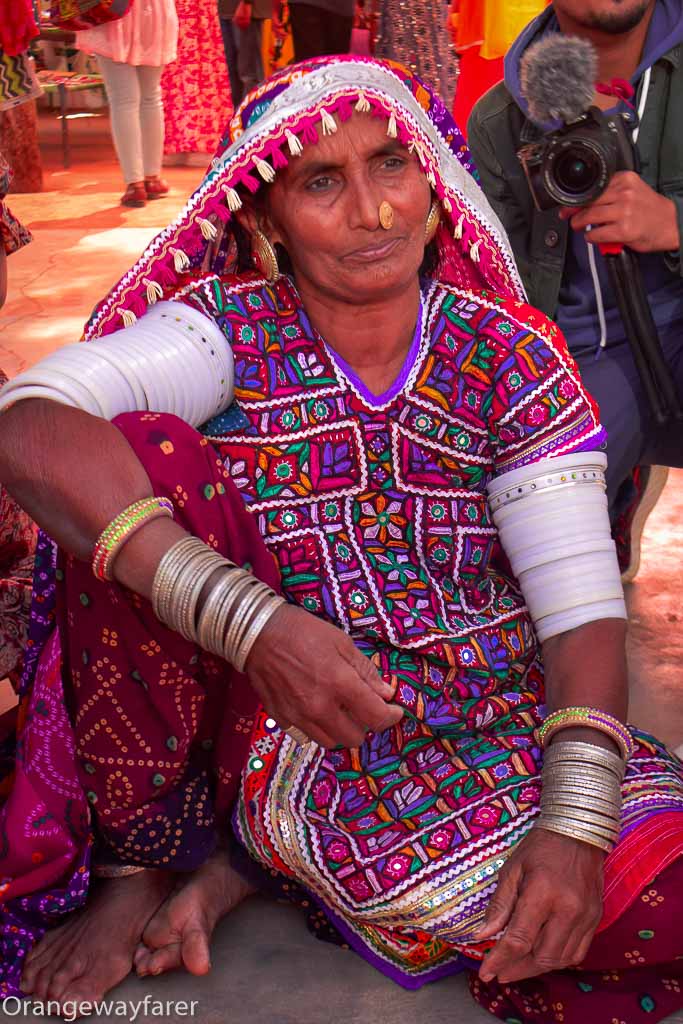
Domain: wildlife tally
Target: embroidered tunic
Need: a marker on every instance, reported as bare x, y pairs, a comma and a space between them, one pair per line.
375, 510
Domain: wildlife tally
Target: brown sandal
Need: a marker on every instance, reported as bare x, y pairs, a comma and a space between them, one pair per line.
156, 187
134, 195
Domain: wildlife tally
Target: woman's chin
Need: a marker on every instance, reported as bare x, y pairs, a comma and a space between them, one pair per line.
375, 279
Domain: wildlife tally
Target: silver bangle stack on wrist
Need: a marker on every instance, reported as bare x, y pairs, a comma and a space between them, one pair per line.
235, 611
581, 793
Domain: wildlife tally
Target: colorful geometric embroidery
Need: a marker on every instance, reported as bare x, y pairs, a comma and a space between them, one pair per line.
376, 513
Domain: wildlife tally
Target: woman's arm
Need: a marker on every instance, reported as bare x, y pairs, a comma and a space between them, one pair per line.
554, 527
549, 895
73, 473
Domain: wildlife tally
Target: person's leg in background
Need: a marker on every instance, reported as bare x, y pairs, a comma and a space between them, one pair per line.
639, 452
663, 448
228, 32
338, 29
152, 127
308, 30
123, 93
249, 56
666, 446
611, 378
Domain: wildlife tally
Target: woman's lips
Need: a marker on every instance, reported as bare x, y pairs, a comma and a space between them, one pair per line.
373, 253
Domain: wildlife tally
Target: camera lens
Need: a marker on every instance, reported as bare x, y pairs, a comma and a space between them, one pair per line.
577, 169
576, 173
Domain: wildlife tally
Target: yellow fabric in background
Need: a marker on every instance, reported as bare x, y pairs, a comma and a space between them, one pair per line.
493, 25
267, 43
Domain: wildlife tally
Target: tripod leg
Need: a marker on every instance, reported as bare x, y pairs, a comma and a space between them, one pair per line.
620, 283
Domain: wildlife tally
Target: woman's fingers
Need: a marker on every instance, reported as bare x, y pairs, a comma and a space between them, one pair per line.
312, 676
582, 938
530, 913
501, 904
367, 708
556, 942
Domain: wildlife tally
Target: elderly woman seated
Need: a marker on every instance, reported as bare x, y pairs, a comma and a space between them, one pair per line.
360, 640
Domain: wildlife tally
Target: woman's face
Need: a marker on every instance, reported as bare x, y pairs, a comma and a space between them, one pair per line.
324, 209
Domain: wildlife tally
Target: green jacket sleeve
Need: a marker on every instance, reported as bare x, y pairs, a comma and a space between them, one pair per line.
674, 260
496, 186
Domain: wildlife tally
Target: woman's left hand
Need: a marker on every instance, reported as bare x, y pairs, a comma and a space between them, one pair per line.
549, 901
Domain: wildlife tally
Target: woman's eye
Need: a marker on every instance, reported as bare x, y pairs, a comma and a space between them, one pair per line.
319, 184
393, 163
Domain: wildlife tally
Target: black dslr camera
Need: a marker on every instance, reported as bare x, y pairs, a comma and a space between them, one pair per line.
574, 165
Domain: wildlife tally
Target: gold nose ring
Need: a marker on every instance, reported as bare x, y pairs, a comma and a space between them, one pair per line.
386, 215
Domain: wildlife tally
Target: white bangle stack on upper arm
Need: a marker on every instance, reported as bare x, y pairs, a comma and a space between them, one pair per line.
554, 527
173, 360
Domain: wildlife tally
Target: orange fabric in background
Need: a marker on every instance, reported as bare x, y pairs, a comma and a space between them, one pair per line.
476, 76
493, 25
485, 31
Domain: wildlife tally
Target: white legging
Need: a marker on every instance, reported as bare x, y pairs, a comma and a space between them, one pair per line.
137, 117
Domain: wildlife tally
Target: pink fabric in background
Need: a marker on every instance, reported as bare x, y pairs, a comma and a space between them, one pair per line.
196, 90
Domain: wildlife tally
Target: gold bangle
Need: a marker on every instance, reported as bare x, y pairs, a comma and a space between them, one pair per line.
583, 837
587, 822
165, 576
214, 608
257, 625
588, 816
242, 618
243, 588
581, 783
192, 581
581, 802
572, 752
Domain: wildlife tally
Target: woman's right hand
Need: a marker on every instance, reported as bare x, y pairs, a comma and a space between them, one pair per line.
310, 674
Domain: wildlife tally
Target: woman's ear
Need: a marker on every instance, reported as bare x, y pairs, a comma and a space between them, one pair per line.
248, 219
253, 217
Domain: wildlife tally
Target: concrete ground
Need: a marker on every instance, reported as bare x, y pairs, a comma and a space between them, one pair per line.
267, 968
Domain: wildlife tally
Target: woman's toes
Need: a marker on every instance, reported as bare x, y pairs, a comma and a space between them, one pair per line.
141, 960
39, 957
100, 978
168, 958
42, 983
159, 931
74, 968
195, 951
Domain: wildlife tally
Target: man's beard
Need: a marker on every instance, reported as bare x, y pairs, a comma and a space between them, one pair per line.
616, 23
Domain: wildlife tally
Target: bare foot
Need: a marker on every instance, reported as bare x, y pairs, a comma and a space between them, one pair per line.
83, 959
180, 932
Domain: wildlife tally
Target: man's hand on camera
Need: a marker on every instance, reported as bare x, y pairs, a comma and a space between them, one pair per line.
629, 213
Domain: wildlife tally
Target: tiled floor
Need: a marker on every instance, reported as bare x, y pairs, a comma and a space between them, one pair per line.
267, 969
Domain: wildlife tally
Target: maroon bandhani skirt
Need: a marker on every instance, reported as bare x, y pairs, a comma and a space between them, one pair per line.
131, 741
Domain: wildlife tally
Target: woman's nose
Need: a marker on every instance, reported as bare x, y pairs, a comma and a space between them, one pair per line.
363, 206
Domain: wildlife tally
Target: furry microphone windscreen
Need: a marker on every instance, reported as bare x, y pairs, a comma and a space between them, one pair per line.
558, 76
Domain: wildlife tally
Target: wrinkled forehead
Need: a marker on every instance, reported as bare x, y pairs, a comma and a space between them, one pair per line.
361, 140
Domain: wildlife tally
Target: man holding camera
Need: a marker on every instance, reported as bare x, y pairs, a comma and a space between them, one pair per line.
638, 42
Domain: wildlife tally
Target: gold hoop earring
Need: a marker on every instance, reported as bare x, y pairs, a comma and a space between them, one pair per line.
264, 256
433, 221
